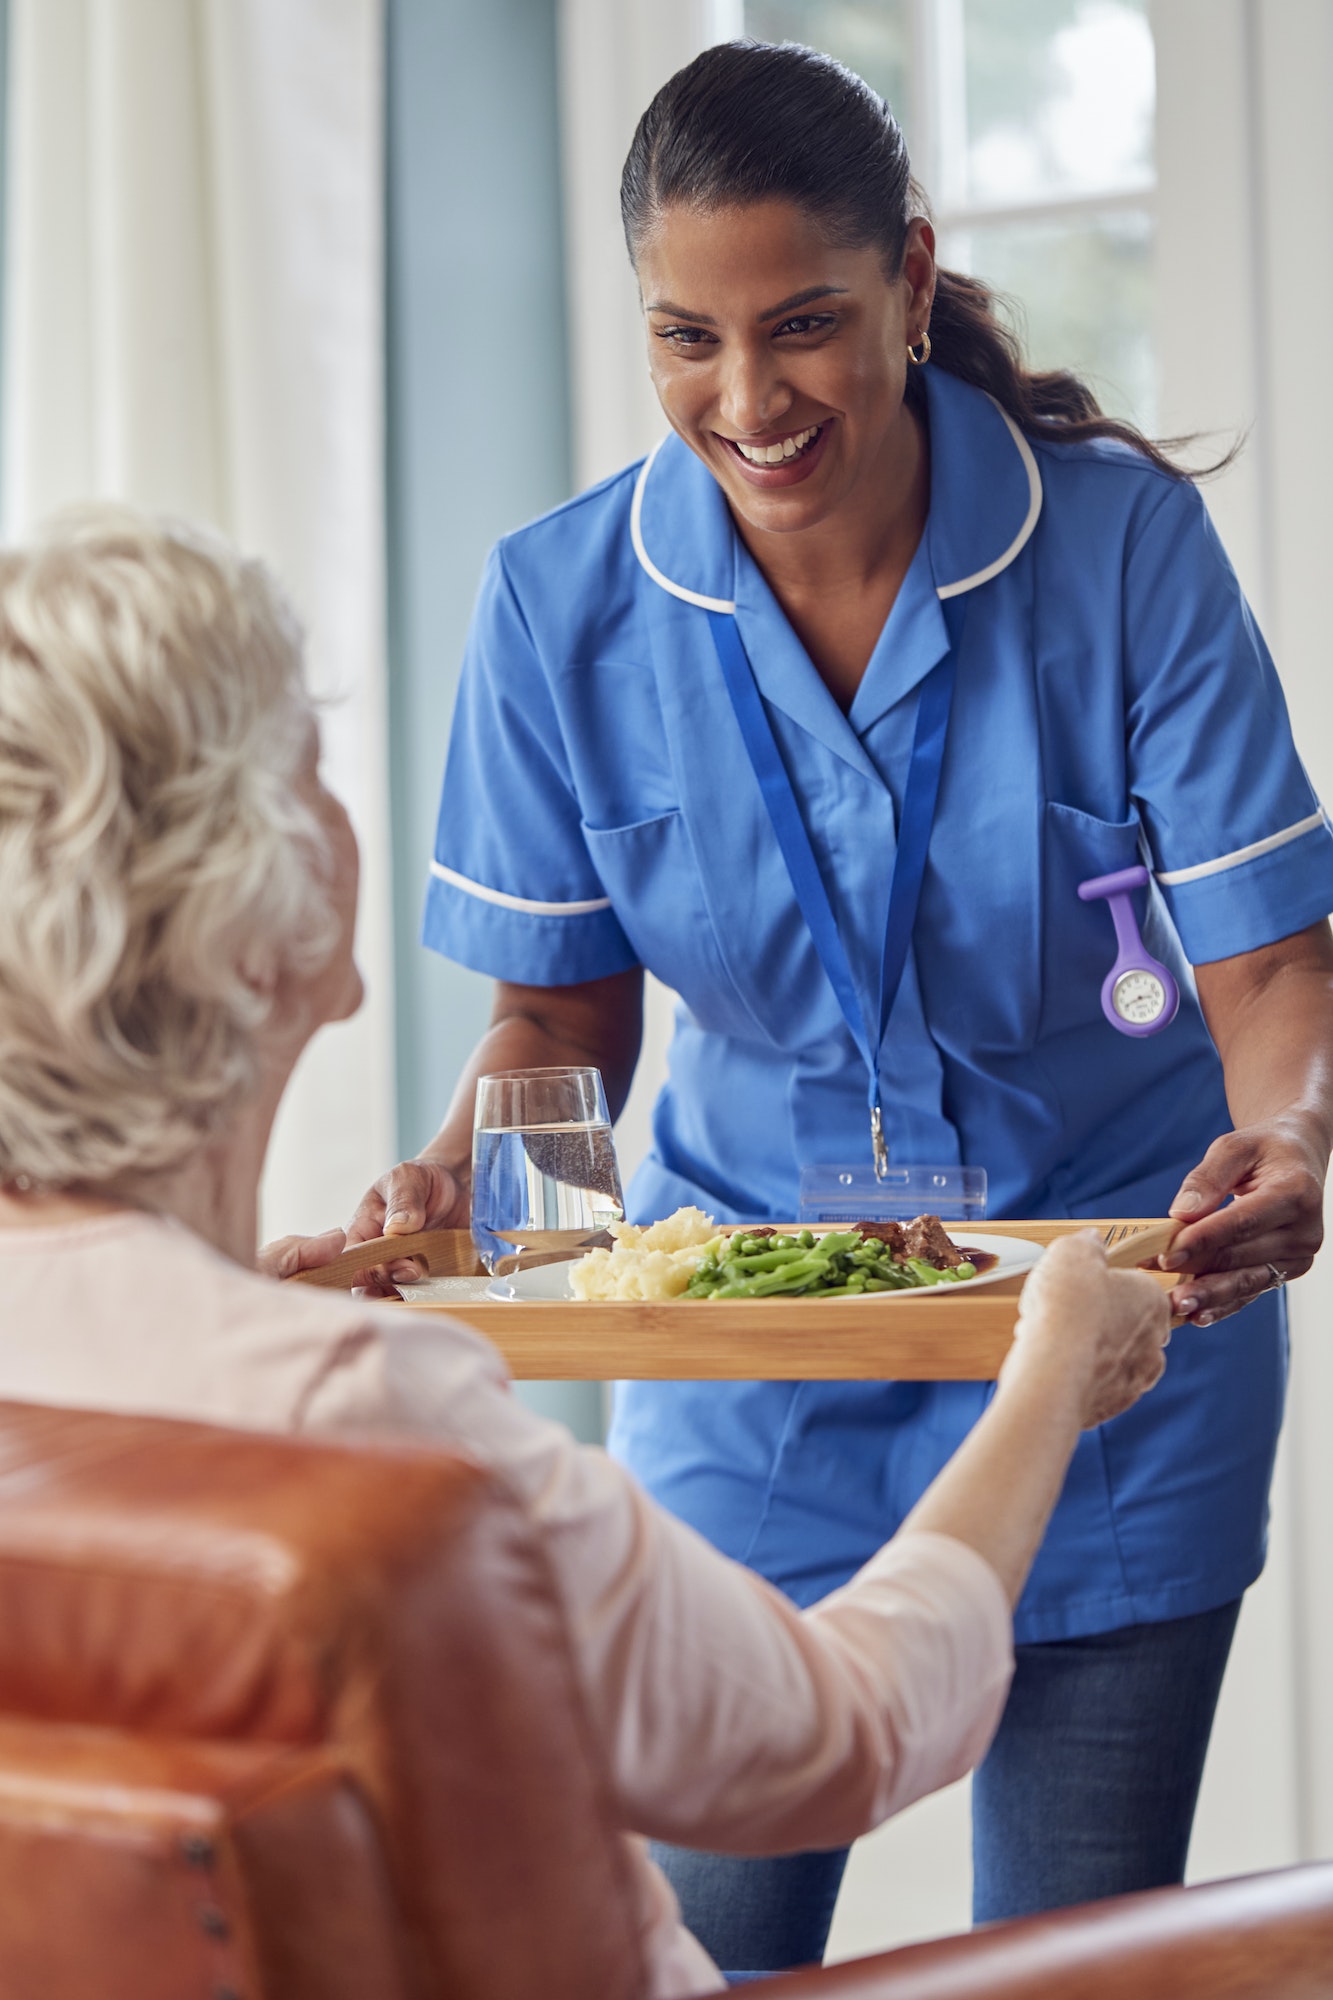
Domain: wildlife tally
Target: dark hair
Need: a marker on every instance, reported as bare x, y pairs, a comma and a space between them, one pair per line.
750, 121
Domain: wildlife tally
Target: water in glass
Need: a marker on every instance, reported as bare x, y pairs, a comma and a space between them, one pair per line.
543, 1185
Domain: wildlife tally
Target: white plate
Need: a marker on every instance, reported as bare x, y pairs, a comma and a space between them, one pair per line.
1015, 1254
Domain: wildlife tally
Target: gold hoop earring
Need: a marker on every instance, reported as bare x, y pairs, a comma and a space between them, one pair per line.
920, 360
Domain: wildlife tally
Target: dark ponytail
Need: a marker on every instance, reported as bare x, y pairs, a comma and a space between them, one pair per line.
750, 122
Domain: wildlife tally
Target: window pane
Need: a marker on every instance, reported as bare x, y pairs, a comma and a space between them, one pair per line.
1080, 296
1060, 98
870, 36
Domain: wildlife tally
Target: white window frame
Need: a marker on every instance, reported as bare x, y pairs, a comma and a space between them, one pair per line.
937, 93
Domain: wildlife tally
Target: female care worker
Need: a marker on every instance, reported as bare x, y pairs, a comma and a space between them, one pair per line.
824, 712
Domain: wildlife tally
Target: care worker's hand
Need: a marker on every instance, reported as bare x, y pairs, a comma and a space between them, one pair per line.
1108, 1329
416, 1194
1267, 1232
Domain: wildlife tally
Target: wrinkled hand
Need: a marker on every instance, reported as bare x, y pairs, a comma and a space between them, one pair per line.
1276, 1174
1112, 1327
417, 1194
287, 1255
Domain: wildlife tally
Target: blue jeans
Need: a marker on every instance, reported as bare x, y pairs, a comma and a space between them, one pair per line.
1088, 1790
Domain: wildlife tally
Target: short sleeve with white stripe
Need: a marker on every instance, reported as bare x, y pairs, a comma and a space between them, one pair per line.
513, 891
1240, 846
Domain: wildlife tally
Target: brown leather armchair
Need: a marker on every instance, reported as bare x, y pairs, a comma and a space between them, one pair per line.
287, 1721
295, 1721
1264, 1937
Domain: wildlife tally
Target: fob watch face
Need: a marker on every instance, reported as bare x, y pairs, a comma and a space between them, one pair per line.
1138, 996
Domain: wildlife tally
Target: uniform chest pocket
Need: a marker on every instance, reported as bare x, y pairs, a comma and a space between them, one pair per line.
649, 871
1078, 939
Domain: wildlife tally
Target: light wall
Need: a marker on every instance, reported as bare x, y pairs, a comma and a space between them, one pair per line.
478, 442
1245, 287
478, 427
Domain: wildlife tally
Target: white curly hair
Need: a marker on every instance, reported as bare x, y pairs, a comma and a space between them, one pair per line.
158, 874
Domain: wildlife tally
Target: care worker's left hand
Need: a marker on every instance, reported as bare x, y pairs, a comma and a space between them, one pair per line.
1254, 1204
1274, 1224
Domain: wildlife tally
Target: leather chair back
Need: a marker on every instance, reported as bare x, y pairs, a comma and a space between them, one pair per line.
1264, 1937
288, 1721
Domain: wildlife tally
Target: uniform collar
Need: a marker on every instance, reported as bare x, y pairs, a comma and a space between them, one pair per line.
985, 496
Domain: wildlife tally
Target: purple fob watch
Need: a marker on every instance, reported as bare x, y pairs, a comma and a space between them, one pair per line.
1139, 996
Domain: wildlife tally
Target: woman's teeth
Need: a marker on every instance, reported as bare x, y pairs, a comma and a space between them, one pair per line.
773, 454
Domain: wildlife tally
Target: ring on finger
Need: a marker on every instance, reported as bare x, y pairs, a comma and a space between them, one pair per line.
1279, 1278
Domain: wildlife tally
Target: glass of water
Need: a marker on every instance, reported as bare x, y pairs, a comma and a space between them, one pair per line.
544, 1174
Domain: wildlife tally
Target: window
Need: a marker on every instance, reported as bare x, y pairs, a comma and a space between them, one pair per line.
1031, 129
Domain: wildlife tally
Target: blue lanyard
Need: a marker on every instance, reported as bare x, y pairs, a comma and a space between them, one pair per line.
915, 821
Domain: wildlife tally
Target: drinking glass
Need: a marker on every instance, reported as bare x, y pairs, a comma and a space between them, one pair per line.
544, 1173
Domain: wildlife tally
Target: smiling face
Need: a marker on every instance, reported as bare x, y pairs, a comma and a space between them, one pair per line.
780, 358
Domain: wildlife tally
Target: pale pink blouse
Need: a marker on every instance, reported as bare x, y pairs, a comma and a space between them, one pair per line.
728, 1719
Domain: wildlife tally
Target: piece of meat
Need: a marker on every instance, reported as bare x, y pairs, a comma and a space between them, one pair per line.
888, 1233
925, 1238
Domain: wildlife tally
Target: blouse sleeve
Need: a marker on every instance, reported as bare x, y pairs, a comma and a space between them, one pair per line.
728, 1719
1240, 845
513, 891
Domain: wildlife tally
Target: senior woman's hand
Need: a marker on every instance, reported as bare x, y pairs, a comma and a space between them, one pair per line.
1108, 1328
1253, 1207
287, 1255
1089, 1342
417, 1194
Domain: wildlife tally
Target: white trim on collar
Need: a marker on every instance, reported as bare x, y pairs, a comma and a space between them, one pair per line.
636, 536
523, 903
943, 590
1172, 876
1034, 509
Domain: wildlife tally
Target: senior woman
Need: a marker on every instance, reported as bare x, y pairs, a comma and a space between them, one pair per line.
177, 894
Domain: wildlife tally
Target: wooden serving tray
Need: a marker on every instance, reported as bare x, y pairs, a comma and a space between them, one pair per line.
926, 1336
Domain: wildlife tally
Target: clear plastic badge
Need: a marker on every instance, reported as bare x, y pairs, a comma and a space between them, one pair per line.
854, 1194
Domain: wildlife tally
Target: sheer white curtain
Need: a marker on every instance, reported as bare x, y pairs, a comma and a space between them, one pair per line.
193, 323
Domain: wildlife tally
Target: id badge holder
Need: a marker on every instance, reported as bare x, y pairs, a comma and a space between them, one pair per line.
845, 1194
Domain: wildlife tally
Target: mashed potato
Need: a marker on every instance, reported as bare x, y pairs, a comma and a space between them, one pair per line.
656, 1262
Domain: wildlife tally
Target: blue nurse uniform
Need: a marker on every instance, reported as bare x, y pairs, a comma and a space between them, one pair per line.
1114, 701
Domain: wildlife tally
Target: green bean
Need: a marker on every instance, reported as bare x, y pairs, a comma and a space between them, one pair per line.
839, 1264
788, 1278
768, 1260
754, 1288
924, 1274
